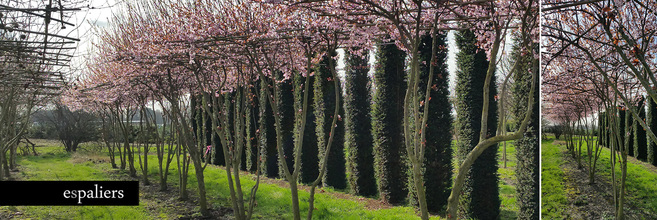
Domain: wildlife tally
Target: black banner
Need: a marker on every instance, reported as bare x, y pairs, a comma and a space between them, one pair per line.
69, 193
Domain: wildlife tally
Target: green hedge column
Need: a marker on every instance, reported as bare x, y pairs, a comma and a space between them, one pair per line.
621, 127
480, 198
285, 98
630, 129
640, 145
527, 147
358, 138
267, 134
387, 129
599, 131
602, 129
652, 123
325, 101
309, 150
438, 157
252, 118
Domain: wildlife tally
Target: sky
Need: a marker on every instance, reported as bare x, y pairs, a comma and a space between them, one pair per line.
97, 13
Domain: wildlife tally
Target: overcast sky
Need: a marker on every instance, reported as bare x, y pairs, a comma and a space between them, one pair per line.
96, 14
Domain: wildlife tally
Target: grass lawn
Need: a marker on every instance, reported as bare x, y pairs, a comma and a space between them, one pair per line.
641, 180
507, 183
640, 184
553, 200
272, 197
55, 164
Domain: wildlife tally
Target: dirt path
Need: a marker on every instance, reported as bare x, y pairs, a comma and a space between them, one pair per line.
594, 201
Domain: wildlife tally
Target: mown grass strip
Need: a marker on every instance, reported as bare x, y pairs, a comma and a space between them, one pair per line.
272, 199
554, 201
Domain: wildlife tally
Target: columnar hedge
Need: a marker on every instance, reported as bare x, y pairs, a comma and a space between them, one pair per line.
324, 102
621, 127
527, 147
217, 150
229, 108
208, 136
599, 131
358, 138
267, 134
252, 118
309, 149
202, 132
438, 153
603, 130
285, 104
387, 129
196, 119
629, 129
640, 144
480, 198
652, 123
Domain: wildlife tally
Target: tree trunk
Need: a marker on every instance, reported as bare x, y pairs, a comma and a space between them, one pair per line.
200, 179
12, 156
5, 166
419, 187
2, 162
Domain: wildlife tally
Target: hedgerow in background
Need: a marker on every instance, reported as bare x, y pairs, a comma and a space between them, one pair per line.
387, 130
480, 198
437, 165
358, 137
324, 104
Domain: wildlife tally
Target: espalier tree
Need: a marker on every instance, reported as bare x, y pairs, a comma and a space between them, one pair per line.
437, 167
387, 129
480, 198
358, 138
